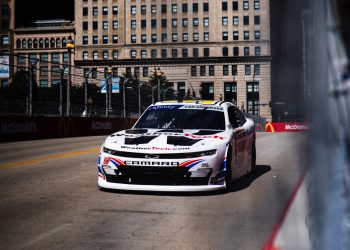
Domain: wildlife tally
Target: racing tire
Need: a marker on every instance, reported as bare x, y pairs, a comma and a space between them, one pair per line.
253, 162
228, 174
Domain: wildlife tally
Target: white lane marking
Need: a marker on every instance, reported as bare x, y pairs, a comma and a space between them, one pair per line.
43, 236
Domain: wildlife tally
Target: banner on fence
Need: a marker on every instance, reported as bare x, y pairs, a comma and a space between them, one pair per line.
115, 85
286, 127
4, 67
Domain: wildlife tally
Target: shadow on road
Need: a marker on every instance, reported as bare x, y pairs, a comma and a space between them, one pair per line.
239, 185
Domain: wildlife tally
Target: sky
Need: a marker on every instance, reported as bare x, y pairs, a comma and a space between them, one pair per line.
27, 11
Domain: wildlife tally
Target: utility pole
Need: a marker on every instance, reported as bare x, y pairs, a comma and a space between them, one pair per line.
70, 46
108, 92
158, 74
61, 89
31, 83
86, 85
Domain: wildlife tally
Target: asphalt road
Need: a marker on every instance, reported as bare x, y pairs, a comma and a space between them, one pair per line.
49, 200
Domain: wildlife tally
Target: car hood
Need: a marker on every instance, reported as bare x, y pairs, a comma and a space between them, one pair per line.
165, 141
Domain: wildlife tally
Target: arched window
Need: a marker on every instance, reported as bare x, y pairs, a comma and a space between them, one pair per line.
47, 43
24, 43
18, 44
58, 42
41, 43
64, 42
30, 44
35, 43
52, 43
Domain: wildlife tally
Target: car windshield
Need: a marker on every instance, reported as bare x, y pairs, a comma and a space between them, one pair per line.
182, 117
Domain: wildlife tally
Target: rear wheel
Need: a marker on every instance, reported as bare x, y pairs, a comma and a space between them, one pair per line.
228, 174
253, 162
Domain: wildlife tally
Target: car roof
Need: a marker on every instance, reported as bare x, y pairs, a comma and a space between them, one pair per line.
195, 102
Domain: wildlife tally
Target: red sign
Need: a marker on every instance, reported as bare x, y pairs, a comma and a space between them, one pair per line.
286, 127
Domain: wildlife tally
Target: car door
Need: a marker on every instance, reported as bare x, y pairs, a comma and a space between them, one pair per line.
238, 144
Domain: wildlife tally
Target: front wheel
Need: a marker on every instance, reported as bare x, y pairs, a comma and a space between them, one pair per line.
228, 174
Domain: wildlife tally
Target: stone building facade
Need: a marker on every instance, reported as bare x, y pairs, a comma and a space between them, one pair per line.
218, 49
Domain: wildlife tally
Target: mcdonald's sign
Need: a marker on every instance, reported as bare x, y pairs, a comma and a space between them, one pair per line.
273, 127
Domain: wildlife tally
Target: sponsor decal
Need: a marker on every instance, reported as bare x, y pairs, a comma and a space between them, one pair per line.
101, 125
155, 148
165, 107
15, 128
190, 163
204, 136
286, 127
203, 107
152, 163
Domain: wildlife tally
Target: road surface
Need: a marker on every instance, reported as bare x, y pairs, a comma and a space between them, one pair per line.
49, 200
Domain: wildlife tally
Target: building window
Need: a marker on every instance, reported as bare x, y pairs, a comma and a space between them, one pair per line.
145, 72
85, 55
136, 72
115, 24
85, 40
44, 71
133, 24
207, 90
235, 35
95, 39
85, 26
193, 70
164, 8
235, 51
202, 70
154, 38
257, 35
105, 55
95, 55
195, 52
143, 54
164, 37
256, 20
246, 35
256, 5
164, 23
205, 7
225, 70
154, 9
224, 51
246, 20
253, 98
174, 8
55, 57
44, 83
211, 70
154, 53
94, 73
181, 89
44, 57
85, 11
225, 36
235, 20
185, 52
247, 70
206, 21
133, 38
174, 23
185, 37
257, 51
206, 52
115, 54
174, 37
256, 69
184, 7
133, 10
95, 11
184, 22
115, 10
195, 22
105, 25
174, 53
224, 21
234, 70
246, 5
94, 25
105, 11
143, 9
164, 53
224, 6
133, 54
105, 39
235, 5
206, 36
115, 38
154, 23
195, 36
143, 38
246, 51
195, 7
143, 24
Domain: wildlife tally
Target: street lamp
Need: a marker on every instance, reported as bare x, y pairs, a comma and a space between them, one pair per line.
158, 74
69, 46
109, 91
153, 89
86, 83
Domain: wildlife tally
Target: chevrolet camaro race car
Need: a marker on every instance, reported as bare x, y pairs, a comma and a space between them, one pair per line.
180, 146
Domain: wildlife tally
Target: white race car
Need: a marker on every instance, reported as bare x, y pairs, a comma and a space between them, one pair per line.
180, 146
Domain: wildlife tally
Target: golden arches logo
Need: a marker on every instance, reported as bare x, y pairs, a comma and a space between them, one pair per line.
269, 127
